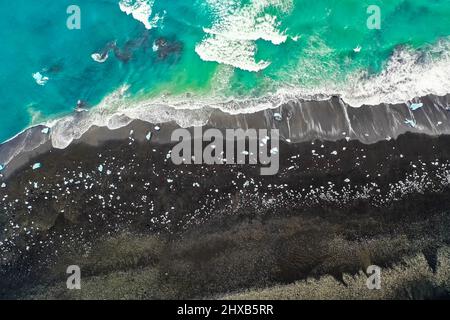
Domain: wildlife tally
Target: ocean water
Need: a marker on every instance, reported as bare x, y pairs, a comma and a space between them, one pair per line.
236, 55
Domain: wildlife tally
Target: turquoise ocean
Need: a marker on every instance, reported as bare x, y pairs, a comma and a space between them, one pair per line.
138, 57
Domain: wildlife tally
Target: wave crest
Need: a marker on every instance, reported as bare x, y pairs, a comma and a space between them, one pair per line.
231, 38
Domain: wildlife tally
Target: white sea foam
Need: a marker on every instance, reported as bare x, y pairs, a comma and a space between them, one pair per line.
117, 111
231, 38
237, 53
141, 10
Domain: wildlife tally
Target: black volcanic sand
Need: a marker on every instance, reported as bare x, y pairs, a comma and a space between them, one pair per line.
144, 228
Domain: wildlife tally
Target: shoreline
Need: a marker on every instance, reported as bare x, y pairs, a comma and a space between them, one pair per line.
327, 120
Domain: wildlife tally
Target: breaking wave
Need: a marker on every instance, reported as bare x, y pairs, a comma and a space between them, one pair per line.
408, 74
231, 38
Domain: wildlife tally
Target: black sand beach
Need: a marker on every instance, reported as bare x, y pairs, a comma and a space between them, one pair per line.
328, 119
143, 228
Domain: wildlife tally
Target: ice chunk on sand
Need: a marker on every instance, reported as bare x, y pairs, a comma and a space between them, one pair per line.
3, 185
45, 130
148, 136
415, 106
277, 116
411, 123
274, 151
2, 167
36, 166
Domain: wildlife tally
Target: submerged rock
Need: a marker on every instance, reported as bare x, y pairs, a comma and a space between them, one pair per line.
165, 48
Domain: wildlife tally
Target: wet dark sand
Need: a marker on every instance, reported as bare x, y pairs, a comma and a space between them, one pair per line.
302, 121
147, 229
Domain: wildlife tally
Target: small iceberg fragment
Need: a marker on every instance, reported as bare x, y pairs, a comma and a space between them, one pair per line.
36, 166
277, 116
100, 58
357, 49
274, 151
157, 128
2, 167
148, 136
347, 180
265, 140
415, 106
100, 168
155, 47
411, 123
40, 79
45, 130
3, 185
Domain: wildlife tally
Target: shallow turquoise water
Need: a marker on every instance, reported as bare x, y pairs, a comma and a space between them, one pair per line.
232, 48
